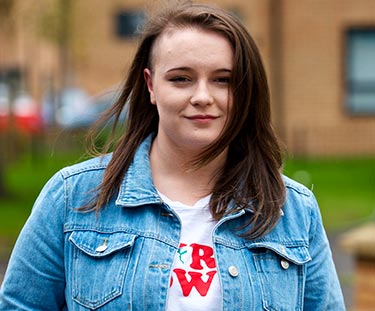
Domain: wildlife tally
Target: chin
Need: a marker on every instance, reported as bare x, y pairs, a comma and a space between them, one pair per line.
201, 143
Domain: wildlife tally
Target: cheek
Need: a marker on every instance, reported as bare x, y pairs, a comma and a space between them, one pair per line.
162, 95
227, 104
169, 100
166, 106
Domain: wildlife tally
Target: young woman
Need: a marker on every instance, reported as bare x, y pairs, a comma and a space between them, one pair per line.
190, 211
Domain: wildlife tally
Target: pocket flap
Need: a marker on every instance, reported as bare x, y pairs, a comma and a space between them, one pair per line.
297, 254
98, 244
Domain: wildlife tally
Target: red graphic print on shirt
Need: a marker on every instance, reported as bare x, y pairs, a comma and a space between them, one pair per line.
196, 268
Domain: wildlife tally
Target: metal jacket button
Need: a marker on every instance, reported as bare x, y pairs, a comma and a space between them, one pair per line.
233, 271
103, 247
284, 264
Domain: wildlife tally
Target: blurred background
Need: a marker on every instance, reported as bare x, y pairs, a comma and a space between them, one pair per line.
62, 62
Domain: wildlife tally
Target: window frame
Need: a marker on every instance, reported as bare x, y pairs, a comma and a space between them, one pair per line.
347, 82
122, 16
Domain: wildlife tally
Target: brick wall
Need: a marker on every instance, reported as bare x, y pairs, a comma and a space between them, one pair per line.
316, 121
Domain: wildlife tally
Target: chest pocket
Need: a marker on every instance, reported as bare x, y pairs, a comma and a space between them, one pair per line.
100, 261
281, 273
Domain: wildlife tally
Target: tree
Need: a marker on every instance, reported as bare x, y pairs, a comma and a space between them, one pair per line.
6, 25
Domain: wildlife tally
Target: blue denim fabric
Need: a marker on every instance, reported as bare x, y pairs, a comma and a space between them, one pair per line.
121, 258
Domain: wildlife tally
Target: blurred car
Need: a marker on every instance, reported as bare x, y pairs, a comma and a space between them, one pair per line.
4, 106
76, 109
27, 115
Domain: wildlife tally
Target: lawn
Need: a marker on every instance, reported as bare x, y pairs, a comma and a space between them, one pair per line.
24, 180
25, 176
345, 188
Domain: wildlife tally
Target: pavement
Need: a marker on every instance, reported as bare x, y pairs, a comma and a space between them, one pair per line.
345, 268
344, 265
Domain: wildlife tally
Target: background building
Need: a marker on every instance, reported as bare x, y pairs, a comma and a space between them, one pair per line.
319, 56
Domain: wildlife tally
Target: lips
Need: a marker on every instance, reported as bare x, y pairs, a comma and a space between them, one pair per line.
201, 117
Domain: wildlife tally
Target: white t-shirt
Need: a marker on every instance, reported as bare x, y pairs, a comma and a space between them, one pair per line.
194, 283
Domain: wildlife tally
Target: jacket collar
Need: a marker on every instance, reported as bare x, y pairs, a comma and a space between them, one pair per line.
137, 187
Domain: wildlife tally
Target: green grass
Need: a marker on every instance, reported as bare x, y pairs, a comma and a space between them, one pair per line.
345, 188
24, 179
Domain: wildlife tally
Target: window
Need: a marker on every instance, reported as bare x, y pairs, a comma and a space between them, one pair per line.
360, 74
128, 23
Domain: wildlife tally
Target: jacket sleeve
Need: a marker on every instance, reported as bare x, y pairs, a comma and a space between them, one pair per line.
322, 288
35, 276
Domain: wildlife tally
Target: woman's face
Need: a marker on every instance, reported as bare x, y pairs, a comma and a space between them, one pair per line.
190, 85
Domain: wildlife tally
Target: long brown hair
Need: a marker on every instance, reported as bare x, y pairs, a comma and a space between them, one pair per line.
251, 177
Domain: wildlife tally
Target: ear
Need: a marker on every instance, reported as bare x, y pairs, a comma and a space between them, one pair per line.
148, 78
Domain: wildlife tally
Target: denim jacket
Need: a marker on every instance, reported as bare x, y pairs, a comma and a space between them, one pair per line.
121, 257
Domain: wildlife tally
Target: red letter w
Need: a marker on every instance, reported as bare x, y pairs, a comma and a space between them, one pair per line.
196, 281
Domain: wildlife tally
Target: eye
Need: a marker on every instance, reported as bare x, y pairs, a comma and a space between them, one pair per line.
180, 79
223, 80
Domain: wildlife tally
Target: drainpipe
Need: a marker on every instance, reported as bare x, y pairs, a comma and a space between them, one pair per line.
276, 66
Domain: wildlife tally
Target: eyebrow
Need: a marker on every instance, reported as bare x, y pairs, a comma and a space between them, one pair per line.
190, 69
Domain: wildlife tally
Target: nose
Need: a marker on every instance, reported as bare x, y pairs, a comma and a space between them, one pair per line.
201, 95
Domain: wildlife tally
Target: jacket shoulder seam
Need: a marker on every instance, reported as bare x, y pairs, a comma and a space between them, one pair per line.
297, 187
79, 168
